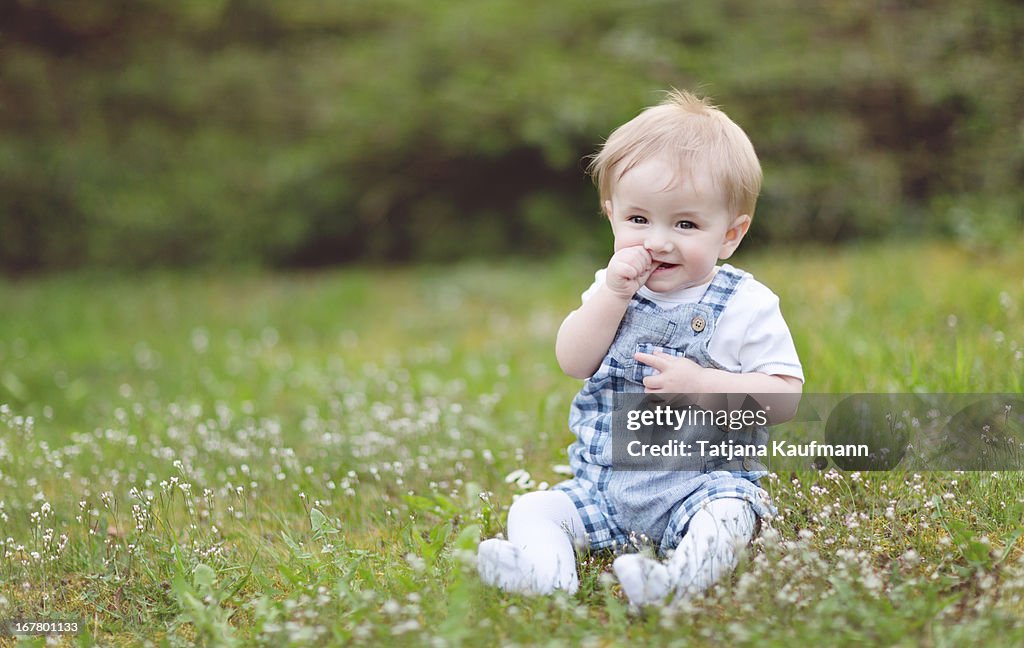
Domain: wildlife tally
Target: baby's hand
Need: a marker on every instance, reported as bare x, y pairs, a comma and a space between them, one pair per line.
675, 375
629, 269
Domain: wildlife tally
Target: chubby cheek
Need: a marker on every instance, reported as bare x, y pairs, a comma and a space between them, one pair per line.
625, 239
622, 243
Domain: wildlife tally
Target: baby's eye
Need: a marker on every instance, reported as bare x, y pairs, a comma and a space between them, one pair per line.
685, 224
639, 220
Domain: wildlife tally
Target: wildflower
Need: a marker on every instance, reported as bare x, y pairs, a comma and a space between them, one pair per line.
415, 562
871, 581
405, 626
521, 478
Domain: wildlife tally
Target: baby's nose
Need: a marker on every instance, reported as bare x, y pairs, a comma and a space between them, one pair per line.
658, 244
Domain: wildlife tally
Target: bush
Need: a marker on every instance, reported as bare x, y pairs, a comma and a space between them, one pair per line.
303, 133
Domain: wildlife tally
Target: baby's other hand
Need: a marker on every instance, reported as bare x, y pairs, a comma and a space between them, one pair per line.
629, 269
675, 375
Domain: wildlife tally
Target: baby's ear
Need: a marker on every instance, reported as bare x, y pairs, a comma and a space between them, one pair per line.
608, 208
737, 230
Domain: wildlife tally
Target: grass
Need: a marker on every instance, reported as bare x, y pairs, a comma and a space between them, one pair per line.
311, 459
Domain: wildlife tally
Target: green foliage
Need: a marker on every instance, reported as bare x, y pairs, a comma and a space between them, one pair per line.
200, 602
172, 133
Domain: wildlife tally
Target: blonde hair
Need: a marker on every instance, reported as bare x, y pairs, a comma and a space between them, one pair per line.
691, 133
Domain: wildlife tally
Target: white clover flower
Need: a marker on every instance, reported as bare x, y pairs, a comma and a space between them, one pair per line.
405, 626
520, 478
871, 581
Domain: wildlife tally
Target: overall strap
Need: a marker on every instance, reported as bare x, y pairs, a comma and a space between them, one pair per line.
721, 288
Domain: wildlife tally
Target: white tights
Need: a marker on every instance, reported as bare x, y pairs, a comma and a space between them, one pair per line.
539, 555
544, 526
710, 549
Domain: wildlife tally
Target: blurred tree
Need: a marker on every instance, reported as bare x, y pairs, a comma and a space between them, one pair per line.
150, 132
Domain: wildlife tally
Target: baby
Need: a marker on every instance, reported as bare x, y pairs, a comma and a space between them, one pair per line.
678, 184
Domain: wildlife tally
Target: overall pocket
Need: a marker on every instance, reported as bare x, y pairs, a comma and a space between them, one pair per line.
639, 371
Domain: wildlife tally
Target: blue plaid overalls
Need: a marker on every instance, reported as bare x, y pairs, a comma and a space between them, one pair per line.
619, 507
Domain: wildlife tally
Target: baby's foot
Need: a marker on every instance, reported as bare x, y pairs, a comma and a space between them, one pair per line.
644, 581
502, 564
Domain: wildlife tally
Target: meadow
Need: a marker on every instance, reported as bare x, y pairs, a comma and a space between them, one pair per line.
310, 459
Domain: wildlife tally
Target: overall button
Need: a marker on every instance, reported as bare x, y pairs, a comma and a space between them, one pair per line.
748, 464
698, 324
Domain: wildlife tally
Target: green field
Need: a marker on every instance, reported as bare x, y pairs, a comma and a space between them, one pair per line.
311, 459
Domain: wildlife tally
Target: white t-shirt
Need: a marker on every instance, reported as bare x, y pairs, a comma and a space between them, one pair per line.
750, 335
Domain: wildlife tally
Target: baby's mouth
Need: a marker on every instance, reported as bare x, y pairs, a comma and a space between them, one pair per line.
666, 266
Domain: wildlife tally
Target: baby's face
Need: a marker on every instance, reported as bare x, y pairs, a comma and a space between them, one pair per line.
684, 222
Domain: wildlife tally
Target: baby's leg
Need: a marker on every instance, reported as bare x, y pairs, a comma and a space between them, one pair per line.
538, 556
709, 550
712, 545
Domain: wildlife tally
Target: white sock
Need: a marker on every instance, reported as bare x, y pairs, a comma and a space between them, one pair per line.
539, 556
710, 549
643, 579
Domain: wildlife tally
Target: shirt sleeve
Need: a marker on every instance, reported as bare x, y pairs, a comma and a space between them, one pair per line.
767, 343
598, 281
589, 292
